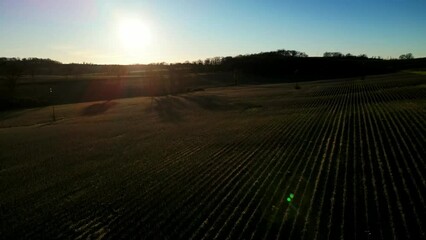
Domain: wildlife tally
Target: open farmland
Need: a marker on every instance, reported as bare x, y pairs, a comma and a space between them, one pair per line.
338, 159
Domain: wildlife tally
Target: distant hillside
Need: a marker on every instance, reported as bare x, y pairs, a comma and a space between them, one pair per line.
281, 64
27, 82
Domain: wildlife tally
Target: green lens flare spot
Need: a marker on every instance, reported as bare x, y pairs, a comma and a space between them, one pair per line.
288, 199
291, 195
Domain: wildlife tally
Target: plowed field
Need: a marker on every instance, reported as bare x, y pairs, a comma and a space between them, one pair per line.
338, 159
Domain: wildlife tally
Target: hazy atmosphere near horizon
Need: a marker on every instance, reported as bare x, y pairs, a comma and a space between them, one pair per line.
133, 31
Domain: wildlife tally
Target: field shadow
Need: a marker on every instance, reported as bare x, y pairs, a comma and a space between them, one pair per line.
209, 102
249, 107
167, 108
97, 108
4, 115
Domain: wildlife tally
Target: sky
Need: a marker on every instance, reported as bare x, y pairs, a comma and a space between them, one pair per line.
138, 31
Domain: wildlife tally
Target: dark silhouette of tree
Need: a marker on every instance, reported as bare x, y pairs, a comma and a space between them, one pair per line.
291, 53
207, 61
333, 54
406, 56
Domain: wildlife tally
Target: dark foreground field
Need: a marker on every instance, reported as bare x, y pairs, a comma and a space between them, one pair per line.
339, 159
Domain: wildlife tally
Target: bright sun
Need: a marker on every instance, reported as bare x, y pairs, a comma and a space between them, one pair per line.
134, 34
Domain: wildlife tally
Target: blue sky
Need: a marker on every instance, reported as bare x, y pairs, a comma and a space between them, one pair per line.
179, 30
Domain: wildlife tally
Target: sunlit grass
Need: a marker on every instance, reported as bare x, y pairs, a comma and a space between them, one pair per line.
417, 72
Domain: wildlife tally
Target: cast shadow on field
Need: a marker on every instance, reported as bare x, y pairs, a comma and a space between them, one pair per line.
170, 108
167, 108
97, 108
16, 113
208, 102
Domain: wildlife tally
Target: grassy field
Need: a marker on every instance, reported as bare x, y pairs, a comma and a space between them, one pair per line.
98, 87
337, 159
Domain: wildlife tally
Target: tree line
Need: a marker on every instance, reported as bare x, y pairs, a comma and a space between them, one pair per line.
164, 78
264, 63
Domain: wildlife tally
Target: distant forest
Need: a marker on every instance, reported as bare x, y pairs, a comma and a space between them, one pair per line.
166, 78
276, 64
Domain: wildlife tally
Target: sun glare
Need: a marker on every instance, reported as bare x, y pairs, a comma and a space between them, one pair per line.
134, 34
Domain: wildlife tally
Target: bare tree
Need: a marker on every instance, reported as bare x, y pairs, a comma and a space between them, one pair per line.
333, 54
406, 56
